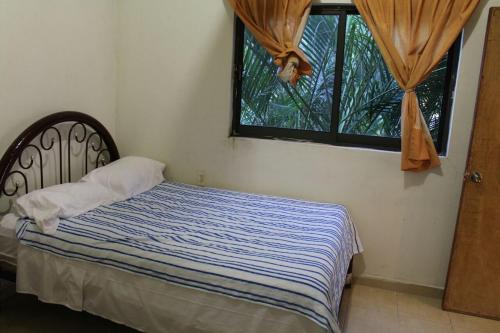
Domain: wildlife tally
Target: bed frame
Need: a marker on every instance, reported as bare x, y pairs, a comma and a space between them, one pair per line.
54, 134
46, 135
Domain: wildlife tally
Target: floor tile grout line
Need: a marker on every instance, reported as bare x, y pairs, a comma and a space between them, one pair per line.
451, 321
449, 318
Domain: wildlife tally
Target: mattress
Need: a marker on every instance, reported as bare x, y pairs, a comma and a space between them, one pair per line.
287, 254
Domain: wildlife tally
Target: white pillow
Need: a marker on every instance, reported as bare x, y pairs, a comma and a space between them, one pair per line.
46, 206
128, 176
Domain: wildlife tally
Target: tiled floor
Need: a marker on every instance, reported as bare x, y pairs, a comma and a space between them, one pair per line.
369, 310
373, 310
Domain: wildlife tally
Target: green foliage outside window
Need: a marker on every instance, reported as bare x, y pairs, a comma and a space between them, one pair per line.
370, 99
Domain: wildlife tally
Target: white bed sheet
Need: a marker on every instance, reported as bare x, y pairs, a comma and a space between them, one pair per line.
8, 241
144, 303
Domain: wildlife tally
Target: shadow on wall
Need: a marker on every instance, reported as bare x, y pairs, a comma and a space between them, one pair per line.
205, 113
415, 179
473, 21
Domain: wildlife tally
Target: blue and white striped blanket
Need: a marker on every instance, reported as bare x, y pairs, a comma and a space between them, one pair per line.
284, 253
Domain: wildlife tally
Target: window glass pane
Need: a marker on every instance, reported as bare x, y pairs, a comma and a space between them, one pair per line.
268, 102
371, 98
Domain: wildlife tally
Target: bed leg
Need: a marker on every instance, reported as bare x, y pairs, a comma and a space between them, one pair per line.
348, 279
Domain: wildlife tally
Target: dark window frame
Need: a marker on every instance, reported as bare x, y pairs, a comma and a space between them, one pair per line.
334, 137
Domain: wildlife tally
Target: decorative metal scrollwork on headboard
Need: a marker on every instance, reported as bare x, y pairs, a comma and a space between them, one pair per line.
29, 150
101, 151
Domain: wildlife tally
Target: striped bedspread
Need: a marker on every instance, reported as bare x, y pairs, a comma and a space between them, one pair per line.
279, 252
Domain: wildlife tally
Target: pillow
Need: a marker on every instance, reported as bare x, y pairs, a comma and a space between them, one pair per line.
46, 206
128, 176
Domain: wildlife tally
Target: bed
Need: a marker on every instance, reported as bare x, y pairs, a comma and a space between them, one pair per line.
180, 257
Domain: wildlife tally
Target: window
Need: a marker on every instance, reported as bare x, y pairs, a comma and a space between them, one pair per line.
351, 99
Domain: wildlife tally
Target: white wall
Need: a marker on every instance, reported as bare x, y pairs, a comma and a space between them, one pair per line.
56, 55
174, 104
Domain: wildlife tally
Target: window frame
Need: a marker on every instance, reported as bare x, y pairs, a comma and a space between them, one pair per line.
333, 137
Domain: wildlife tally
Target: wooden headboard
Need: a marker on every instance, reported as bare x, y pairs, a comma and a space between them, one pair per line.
56, 134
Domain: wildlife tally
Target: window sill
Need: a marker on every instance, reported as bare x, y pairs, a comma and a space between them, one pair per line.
350, 146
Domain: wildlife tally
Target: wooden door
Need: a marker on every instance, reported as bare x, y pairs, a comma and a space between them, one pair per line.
473, 284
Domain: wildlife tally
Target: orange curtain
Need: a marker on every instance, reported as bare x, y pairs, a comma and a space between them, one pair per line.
278, 26
413, 36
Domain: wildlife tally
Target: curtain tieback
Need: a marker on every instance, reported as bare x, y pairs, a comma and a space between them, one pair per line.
281, 58
409, 91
